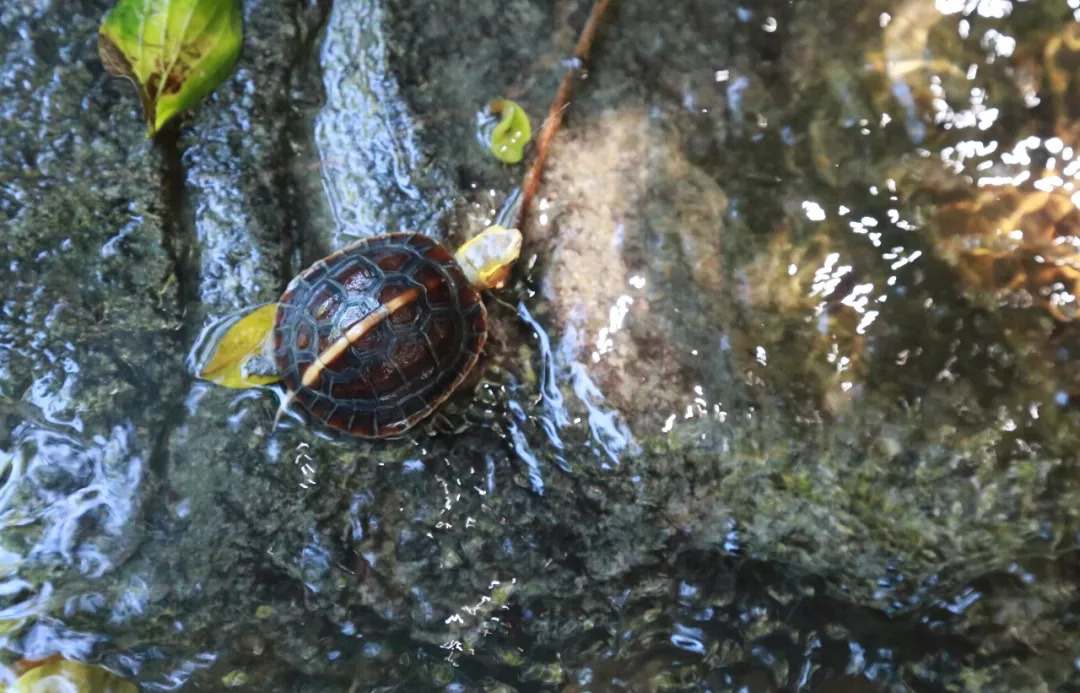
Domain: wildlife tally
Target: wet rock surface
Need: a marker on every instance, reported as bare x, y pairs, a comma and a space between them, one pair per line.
91, 288
740, 424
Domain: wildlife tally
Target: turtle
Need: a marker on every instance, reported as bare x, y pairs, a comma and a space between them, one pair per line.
371, 339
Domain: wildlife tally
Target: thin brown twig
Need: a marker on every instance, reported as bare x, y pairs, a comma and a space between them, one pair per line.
558, 107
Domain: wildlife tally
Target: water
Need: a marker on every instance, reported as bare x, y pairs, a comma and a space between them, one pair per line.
781, 396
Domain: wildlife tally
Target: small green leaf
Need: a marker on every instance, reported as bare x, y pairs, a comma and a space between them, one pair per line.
234, 679
233, 351
513, 132
175, 51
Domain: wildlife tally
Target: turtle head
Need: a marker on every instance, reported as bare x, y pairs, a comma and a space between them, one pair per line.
487, 259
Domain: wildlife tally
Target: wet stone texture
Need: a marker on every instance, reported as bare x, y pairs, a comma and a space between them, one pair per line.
742, 423
391, 181
90, 290
249, 168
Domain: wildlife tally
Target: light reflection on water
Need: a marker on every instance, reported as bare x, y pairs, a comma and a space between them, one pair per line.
69, 513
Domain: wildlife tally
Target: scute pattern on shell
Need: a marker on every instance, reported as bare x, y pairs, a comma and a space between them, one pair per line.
402, 369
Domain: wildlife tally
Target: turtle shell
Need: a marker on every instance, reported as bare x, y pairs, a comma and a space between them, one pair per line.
412, 357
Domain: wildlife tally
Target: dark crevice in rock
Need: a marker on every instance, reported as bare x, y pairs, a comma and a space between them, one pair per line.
178, 238
309, 24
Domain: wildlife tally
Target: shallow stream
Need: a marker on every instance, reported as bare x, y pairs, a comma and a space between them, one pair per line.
781, 395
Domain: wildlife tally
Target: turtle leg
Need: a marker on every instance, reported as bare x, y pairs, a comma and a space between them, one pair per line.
290, 395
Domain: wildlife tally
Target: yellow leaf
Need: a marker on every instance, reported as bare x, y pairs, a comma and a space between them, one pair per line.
175, 51
225, 351
513, 132
56, 674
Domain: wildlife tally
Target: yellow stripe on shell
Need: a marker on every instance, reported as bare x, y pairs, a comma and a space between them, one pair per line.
352, 335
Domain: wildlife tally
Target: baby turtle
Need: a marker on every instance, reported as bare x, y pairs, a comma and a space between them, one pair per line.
371, 339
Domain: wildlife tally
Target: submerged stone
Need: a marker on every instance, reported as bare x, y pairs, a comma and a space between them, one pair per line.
737, 424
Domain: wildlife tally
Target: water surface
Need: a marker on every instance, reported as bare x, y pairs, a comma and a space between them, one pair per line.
781, 395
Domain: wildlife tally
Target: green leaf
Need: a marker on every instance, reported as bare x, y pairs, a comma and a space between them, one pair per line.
234, 351
175, 51
513, 132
